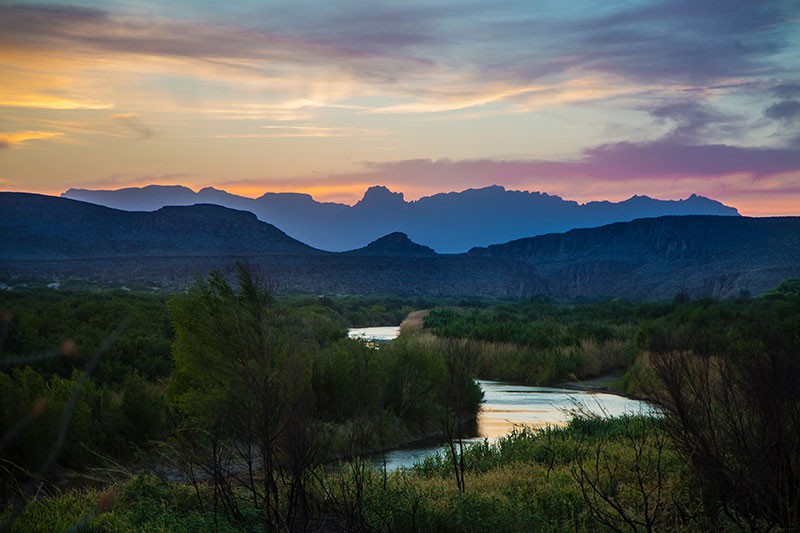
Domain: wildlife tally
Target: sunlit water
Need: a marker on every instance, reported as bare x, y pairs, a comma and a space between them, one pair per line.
506, 405
379, 333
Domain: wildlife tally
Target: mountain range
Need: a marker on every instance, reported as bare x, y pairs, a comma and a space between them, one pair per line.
49, 238
448, 222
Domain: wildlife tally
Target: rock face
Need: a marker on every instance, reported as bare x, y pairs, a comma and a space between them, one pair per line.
46, 237
448, 222
393, 245
717, 256
46, 228
660, 257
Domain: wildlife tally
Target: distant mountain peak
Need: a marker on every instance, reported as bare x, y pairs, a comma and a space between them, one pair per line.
292, 195
490, 188
394, 244
381, 196
396, 237
206, 209
700, 198
449, 222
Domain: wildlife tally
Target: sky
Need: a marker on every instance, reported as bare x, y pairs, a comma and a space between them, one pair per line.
588, 100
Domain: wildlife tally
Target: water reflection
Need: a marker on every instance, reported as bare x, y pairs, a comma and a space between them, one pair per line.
506, 405
378, 333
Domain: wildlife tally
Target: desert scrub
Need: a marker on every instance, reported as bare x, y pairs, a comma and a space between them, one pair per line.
545, 480
142, 504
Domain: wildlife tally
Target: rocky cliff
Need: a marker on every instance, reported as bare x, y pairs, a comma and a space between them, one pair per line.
660, 257
450, 222
46, 237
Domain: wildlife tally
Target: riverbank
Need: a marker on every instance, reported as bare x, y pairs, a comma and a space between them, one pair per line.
414, 322
609, 382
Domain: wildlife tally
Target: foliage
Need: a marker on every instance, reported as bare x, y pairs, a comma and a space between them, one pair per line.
267, 392
266, 388
531, 481
365, 311
539, 342
141, 504
527, 481
729, 383
47, 337
66, 328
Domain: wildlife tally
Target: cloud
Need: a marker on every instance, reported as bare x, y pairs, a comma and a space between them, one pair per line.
133, 125
663, 168
694, 120
39, 101
440, 57
12, 138
758, 181
382, 29
787, 90
532, 78
117, 181
787, 111
610, 162
249, 51
687, 41
317, 131
668, 158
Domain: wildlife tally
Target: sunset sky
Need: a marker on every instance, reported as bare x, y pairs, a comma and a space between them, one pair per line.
584, 99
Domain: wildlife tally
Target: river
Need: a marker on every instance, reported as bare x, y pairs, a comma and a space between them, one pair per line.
506, 405
378, 333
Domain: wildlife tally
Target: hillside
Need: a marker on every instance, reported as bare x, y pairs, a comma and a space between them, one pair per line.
660, 257
54, 238
46, 228
49, 237
448, 222
394, 244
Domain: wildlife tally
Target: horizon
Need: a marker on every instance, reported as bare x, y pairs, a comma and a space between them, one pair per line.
197, 190
585, 101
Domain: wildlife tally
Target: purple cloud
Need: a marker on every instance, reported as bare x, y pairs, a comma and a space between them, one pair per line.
618, 162
668, 158
695, 121
787, 90
382, 29
224, 46
35, 25
665, 41
787, 111
673, 42
688, 41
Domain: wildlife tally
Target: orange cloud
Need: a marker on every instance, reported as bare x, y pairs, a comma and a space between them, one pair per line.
18, 137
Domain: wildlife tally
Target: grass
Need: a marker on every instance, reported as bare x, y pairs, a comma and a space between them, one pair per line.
530, 480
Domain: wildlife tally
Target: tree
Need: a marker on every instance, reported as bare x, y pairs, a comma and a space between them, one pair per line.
736, 416
242, 381
461, 397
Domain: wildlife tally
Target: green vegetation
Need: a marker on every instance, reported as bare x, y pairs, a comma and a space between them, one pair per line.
49, 337
728, 379
528, 481
267, 395
366, 311
219, 381
621, 473
66, 328
51, 343
260, 393
541, 343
